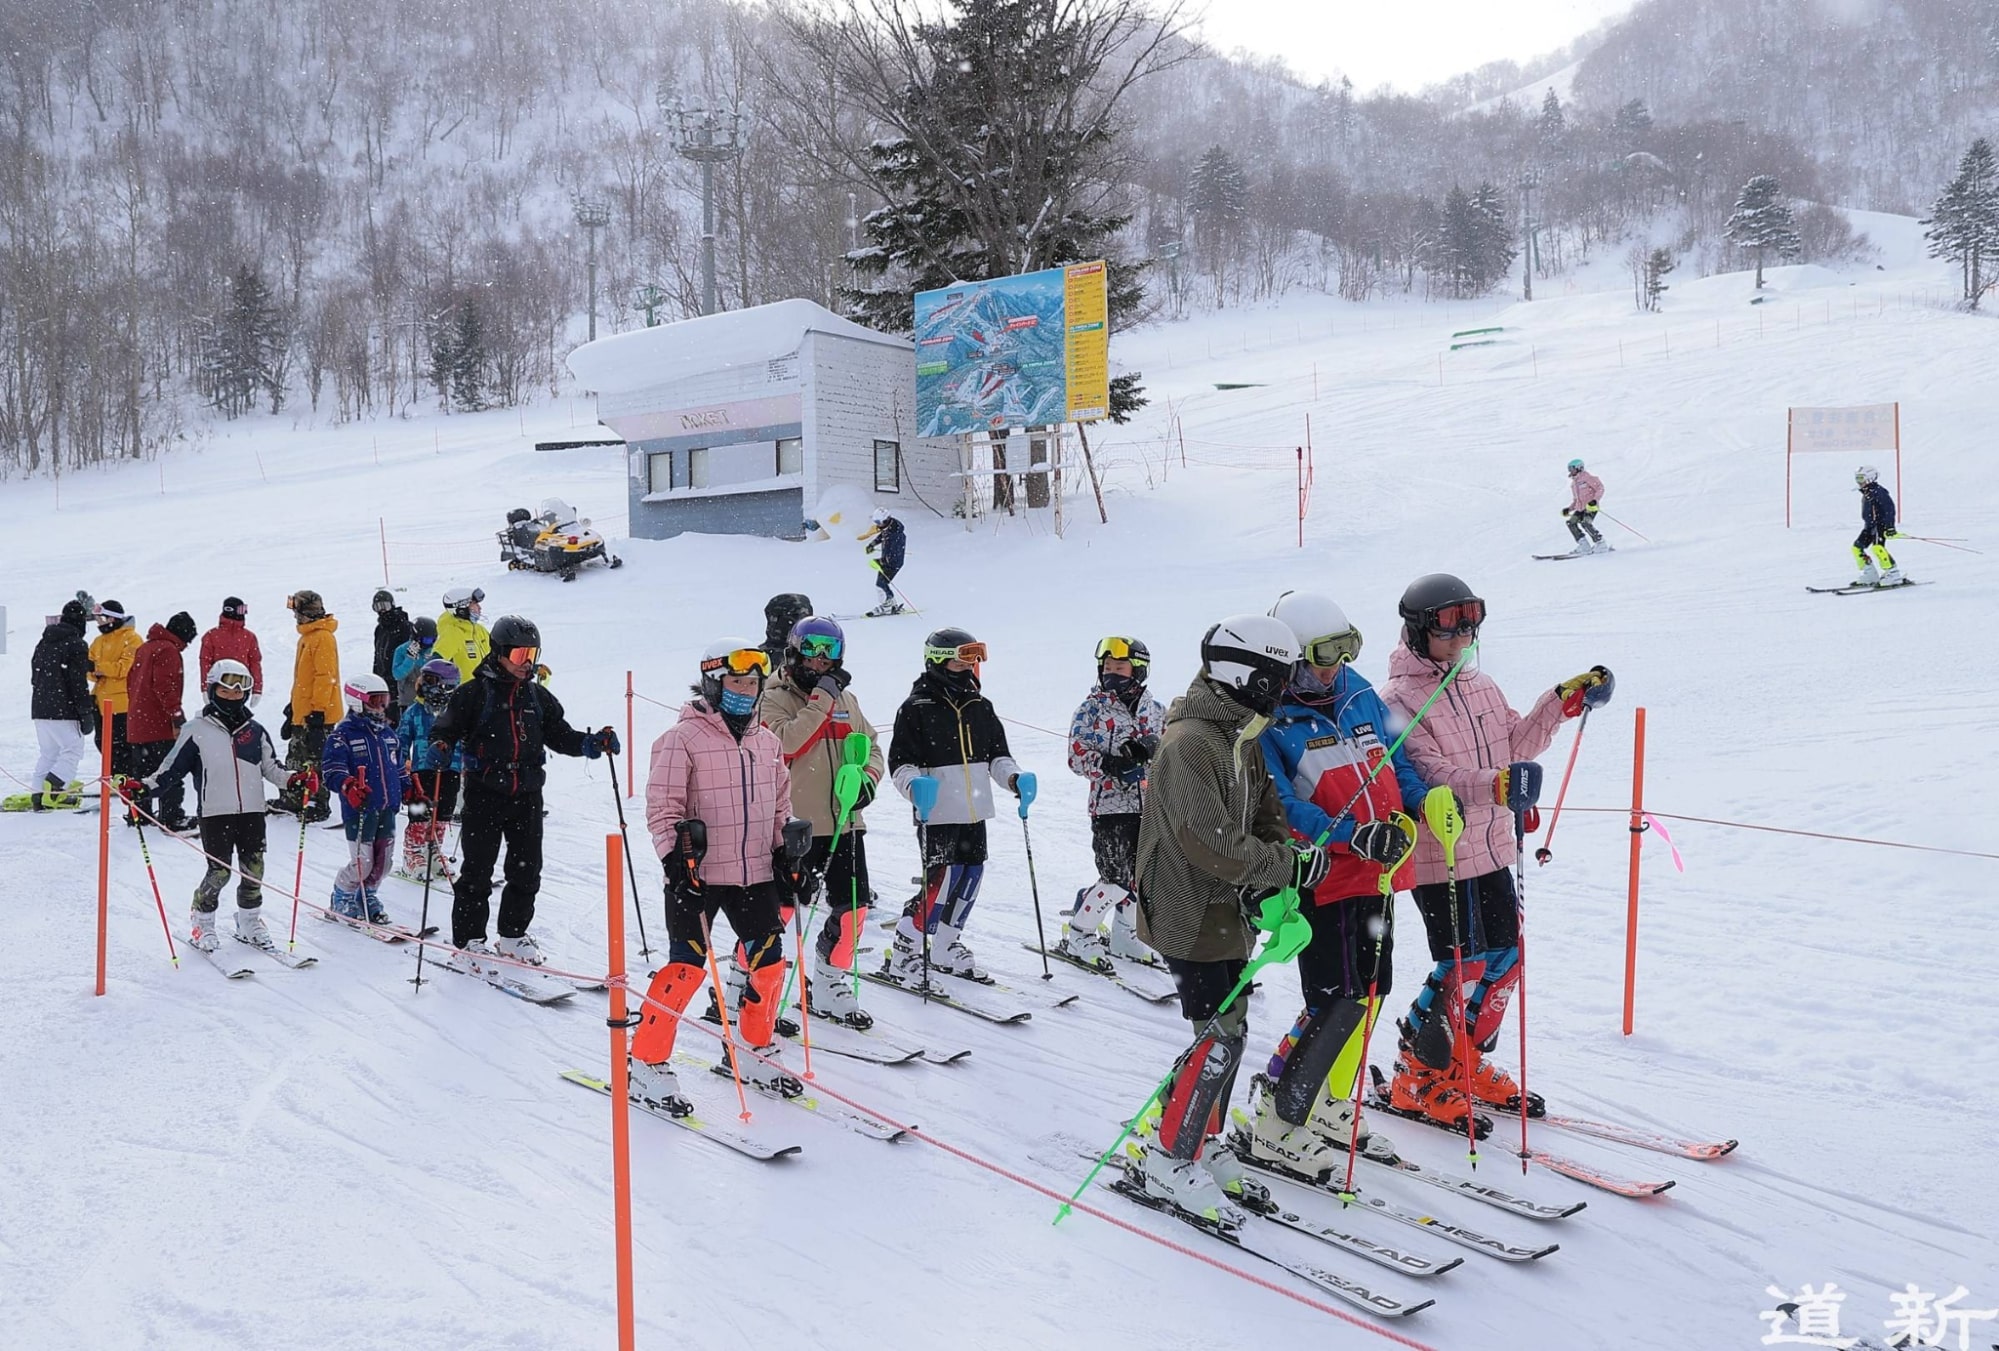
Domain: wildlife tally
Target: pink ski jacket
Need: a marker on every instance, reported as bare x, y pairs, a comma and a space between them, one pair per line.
1466, 738
1584, 488
740, 790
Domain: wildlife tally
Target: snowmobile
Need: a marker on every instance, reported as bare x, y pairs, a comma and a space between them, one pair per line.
552, 540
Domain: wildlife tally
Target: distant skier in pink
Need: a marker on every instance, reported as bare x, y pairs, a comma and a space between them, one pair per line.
1585, 491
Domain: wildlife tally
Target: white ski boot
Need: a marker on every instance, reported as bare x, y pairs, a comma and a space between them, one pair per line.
1893, 576
904, 963
1301, 1148
658, 1086
1189, 1186
250, 928
1125, 941
203, 935
522, 949
769, 1077
832, 994
949, 954
1868, 576
1083, 937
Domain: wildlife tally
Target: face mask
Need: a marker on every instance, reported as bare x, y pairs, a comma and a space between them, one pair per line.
738, 705
1307, 685
1120, 685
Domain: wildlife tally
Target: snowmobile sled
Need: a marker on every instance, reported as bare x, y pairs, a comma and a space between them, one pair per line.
552, 540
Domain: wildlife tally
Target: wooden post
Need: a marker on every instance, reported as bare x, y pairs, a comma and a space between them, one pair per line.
1090, 465
1631, 899
103, 841
621, 1104
382, 529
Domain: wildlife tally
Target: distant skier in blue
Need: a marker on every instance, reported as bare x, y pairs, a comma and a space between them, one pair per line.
1877, 527
886, 541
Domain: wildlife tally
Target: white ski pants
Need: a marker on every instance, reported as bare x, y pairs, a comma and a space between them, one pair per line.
61, 742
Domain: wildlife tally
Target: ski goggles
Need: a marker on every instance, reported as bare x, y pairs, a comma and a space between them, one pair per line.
1459, 619
1335, 649
376, 703
1117, 649
233, 680
820, 645
969, 653
523, 656
743, 661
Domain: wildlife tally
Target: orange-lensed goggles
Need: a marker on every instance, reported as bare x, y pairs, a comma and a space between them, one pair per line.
523, 656
742, 661
969, 653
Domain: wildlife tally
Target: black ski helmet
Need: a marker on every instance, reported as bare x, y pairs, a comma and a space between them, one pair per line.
384, 601
1421, 601
511, 631
426, 629
781, 612
944, 644
1134, 650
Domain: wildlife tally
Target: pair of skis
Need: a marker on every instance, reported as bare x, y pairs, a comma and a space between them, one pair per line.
1862, 588
1110, 969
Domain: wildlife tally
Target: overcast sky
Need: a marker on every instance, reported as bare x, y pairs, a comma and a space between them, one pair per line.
1406, 43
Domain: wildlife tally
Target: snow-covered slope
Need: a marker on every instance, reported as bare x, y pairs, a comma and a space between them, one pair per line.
334, 1159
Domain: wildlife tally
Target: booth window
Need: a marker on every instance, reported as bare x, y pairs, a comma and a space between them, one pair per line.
888, 466
791, 455
659, 471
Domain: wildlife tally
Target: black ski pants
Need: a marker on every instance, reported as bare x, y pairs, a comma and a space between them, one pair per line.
489, 820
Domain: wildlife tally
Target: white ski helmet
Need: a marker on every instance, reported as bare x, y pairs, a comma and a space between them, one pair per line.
1251, 657
1866, 474
463, 600
880, 516
731, 656
234, 674
366, 694
1325, 636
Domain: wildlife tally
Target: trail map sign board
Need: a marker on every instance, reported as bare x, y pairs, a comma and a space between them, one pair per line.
1857, 430
1024, 351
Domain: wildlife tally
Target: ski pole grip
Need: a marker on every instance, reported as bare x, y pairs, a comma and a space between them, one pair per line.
1024, 784
1440, 813
923, 796
1523, 785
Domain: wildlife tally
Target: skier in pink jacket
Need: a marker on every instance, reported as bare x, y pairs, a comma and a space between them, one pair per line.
1585, 492
1472, 742
718, 796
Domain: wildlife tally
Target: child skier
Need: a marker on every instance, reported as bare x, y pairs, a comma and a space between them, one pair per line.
1212, 835
1585, 491
1473, 742
364, 765
1877, 527
1111, 739
410, 659
232, 757
948, 731
886, 541
1326, 738
718, 796
812, 712
461, 638
433, 776
112, 653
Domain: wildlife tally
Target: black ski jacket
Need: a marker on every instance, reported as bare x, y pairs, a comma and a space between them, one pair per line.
506, 728
61, 676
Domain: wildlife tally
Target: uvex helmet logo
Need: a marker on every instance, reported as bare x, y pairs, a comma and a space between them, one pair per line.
1276, 651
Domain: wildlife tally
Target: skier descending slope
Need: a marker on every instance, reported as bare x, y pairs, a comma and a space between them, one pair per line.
1111, 740
948, 731
1329, 734
1473, 742
886, 540
1212, 838
507, 723
813, 712
718, 796
1585, 492
1877, 527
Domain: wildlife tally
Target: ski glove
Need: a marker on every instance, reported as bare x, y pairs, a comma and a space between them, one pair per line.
866, 795
287, 729
315, 722
1381, 842
1013, 784
1139, 749
133, 787
355, 791
306, 781
602, 741
1516, 777
1116, 764
1591, 689
683, 861
1310, 867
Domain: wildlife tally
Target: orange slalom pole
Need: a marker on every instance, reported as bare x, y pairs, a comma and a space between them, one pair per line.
621, 1106
722, 1010
630, 752
1637, 840
103, 842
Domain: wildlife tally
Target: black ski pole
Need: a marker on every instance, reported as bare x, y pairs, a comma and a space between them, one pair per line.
645, 949
423, 921
1024, 785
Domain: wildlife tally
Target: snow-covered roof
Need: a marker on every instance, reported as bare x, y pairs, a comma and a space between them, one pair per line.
649, 357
